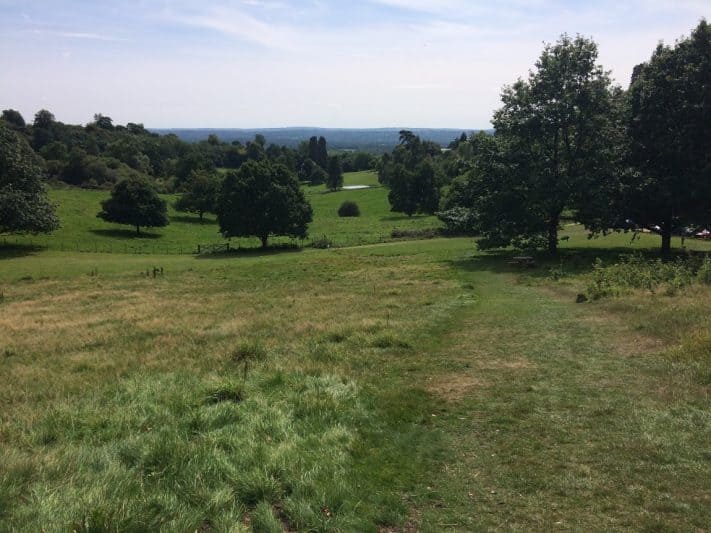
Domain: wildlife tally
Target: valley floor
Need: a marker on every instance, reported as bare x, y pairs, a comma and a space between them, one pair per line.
402, 386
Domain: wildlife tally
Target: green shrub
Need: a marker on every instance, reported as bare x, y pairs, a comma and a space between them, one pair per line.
424, 233
634, 272
704, 273
349, 209
322, 242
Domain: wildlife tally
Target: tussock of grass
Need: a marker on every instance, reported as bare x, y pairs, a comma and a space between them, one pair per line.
249, 351
389, 340
150, 452
228, 393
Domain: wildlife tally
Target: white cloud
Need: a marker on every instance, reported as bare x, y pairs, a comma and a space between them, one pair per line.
267, 63
240, 25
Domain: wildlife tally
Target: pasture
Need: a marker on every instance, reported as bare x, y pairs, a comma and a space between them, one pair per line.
82, 231
411, 385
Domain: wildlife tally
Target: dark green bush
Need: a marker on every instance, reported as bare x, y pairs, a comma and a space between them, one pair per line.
349, 209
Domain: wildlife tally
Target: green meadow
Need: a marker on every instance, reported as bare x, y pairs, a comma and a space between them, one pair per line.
390, 386
82, 231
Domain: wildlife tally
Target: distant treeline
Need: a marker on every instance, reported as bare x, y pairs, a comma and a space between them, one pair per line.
102, 153
372, 140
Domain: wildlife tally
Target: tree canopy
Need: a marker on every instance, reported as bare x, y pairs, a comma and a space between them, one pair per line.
134, 201
669, 131
24, 206
334, 180
200, 195
261, 199
554, 150
14, 118
414, 191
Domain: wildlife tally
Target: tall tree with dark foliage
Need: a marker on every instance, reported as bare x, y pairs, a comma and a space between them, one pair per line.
669, 128
24, 206
557, 134
135, 202
261, 199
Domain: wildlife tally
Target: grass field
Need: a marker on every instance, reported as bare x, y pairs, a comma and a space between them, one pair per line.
411, 385
399, 386
82, 231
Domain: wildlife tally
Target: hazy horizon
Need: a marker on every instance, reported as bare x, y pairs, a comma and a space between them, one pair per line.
258, 64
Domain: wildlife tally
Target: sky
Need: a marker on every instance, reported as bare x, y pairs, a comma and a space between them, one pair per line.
275, 63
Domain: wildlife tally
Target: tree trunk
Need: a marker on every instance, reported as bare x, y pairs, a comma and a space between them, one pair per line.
264, 239
666, 239
200, 215
138, 230
553, 234
667, 233
666, 242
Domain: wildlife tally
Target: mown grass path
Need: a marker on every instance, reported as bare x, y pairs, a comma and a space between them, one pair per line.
562, 416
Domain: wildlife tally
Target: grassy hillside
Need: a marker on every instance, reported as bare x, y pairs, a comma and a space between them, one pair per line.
415, 385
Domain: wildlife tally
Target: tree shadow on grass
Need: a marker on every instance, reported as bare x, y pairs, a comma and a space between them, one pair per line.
125, 234
187, 219
572, 260
395, 218
10, 251
253, 252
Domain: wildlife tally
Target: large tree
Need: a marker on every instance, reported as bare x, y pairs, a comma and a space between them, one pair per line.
134, 201
669, 127
558, 135
24, 206
200, 195
261, 199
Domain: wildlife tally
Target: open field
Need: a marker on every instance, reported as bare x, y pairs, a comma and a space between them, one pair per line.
82, 231
411, 385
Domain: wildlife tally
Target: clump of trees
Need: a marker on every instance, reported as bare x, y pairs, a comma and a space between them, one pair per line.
567, 140
261, 199
135, 202
318, 151
102, 153
411, 175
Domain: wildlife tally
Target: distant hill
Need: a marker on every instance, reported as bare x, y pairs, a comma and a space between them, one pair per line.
376, 140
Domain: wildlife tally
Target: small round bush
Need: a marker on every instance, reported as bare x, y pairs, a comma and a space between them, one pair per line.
349, 209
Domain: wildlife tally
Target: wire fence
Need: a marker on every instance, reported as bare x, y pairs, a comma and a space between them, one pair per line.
245, 245
100, 247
